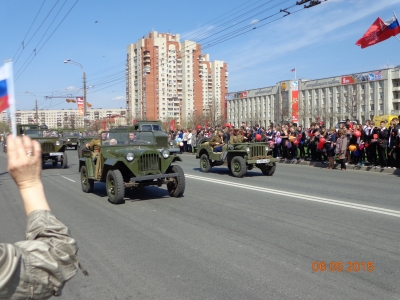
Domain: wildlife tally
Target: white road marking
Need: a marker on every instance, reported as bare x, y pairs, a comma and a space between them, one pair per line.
374, 209
66, 178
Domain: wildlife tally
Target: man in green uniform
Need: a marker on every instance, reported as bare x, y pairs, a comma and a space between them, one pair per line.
216, 141
236, 137
94, 146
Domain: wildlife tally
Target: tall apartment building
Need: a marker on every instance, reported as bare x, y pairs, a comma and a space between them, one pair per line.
168, 79
357, 96
65, 118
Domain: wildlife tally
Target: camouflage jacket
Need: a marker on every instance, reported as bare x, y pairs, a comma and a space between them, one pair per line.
214, 140
38, 267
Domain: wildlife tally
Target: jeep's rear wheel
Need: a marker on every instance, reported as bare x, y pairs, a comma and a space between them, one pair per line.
87, 184
115, 186
205, 163
64, 160
269, 171
176, 185
238, 166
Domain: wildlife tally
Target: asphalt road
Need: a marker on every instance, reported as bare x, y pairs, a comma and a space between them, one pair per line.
227, 238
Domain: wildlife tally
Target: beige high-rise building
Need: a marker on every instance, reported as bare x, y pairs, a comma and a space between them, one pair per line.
168, 79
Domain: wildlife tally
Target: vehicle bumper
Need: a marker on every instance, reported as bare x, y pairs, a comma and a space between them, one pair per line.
156, 176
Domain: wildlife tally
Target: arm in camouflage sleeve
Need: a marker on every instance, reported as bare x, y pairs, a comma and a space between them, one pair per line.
39, 267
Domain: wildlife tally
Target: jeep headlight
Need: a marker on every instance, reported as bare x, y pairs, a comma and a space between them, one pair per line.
171, 144
248, 149
165, 153
266, 148
57, 143
129, 156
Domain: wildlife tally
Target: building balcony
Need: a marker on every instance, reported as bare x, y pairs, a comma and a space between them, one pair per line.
396, 88
395, 112
146, 55
226, 73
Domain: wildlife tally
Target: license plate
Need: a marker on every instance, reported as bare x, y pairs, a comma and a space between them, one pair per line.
55, 153
73, 143
262, 161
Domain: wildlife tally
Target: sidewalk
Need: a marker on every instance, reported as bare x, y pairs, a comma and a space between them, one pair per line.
337, 166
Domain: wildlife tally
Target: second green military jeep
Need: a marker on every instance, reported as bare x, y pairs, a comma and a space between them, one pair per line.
160, 134
121, 164
238, 157
70, 138
53, 147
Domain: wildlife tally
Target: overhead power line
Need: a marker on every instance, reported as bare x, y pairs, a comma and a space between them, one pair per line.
23, 40
36, 52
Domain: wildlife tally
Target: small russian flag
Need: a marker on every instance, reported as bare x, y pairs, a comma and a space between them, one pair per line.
7, 98
4, 88
293, 70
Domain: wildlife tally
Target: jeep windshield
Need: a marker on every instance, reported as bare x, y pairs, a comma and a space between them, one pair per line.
113, 138
41, 133
151, 127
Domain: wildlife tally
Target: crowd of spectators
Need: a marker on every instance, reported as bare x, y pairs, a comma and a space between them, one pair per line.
376, 145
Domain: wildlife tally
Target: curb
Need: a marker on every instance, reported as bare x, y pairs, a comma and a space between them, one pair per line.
337, 167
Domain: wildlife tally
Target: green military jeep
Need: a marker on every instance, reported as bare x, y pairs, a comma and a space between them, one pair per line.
53, 147
238, 157
70, 138
122, 165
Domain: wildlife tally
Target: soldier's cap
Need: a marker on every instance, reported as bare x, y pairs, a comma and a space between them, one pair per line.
236, 129
100, 131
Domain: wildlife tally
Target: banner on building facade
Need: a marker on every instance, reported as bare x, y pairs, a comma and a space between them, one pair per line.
295, 101
79, 102
377, 75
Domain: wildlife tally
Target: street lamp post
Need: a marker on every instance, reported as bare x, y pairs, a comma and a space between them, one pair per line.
68, 61
36, 107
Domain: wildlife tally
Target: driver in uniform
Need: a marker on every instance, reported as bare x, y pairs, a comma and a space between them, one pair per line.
132, 138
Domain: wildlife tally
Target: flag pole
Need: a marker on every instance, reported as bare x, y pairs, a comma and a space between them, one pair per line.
295, 74
396, 19
11, 96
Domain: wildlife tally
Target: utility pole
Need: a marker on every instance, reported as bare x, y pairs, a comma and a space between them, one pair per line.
84, 100
68, 61
36, 108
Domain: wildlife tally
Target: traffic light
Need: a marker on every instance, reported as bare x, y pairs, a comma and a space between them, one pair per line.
70, 100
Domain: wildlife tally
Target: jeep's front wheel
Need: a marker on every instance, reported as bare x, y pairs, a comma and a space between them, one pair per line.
238, 166
176, 185
87, 184
205, 164
269, 171
115, 186
64, 160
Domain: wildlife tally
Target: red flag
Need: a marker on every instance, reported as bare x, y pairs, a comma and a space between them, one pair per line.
172, 124
379, 32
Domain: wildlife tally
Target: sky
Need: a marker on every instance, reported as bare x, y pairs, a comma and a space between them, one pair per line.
319, 42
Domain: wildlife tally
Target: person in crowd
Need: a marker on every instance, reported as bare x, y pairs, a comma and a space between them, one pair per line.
324, 134
275, 135
185, 140
194, 140
284, 141
331, 143
189, 141
342, 143
391, 148
382, 144
292, 140
227, 136
38, 267
301, 135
